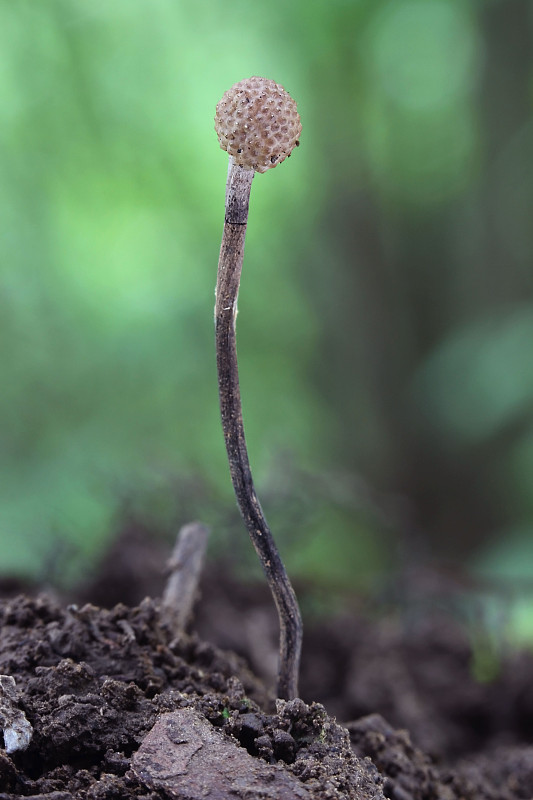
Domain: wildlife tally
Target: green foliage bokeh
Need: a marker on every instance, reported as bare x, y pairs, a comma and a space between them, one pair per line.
385, 326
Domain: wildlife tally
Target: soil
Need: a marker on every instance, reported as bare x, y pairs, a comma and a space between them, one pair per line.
122, 707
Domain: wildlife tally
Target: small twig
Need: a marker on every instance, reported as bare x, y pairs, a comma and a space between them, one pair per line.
186, 565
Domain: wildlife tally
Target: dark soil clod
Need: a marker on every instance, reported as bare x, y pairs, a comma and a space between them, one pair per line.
122, 709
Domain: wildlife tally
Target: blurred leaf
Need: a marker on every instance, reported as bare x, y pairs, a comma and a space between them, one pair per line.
480, 379
401, 222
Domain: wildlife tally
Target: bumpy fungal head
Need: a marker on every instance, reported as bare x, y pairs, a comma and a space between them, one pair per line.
257, 123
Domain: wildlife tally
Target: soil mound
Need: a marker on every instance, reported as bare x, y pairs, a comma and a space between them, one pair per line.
120, 708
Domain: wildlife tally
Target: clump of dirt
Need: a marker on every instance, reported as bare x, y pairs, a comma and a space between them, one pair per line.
93, 683
452, 683
410, 773
423, 676
122, 707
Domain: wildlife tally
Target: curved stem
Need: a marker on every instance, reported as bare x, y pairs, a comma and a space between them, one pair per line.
228, 279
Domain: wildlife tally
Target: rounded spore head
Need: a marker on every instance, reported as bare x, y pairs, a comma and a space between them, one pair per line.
257, 122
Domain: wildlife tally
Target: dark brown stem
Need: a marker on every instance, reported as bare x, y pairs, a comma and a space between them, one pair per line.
229, 274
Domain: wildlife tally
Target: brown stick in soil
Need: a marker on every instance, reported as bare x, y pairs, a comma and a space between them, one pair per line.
185, 567
228, 280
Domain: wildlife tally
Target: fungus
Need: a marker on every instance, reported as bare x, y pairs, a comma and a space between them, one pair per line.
258, 124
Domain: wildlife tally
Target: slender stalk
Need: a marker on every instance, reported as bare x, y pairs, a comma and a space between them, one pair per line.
228, 280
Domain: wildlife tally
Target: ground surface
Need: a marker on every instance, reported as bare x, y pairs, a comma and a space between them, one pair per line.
122, 708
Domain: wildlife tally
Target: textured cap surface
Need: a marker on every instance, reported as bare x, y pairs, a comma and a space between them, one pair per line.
257, 123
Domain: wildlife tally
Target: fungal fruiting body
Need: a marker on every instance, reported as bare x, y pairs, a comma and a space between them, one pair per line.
258, 124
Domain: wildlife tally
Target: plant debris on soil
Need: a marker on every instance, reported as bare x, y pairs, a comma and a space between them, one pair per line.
122, 707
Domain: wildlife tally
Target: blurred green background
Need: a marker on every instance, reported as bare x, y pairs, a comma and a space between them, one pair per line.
386, 312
